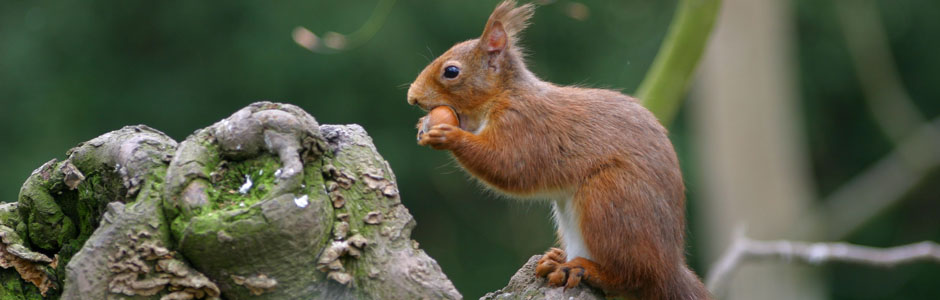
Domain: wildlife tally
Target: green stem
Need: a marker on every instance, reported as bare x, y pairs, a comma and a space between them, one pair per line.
663, 88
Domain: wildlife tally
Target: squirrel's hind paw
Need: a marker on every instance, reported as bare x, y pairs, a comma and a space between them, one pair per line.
560, 272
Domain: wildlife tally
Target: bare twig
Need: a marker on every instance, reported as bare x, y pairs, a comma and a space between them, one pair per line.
743, 249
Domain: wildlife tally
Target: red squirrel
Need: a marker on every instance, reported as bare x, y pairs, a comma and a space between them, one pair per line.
602, 159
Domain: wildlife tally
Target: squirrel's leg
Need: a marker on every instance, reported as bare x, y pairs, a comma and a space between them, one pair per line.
632, 230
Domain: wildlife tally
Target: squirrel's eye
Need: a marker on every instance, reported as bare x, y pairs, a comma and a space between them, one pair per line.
451, 72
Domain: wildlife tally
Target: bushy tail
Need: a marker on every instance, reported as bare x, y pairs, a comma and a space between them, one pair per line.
686, 286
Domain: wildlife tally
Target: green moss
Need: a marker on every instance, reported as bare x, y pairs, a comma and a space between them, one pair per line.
21, 229
87, 209
178, 227
224, 215
226, 203
12, 287
224, 220
212, 155
48, 233
85, 204
224, 193
9, 216
313, 178
82, 209
67, 233
68, 250
44, 219
156, 180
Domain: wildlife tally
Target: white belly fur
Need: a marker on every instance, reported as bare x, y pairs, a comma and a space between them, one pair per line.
567, 222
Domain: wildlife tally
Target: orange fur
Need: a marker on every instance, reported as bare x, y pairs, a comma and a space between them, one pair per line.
530, 138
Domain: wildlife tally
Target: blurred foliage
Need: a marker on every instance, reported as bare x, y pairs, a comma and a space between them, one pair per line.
667, 81
71, 70
844, 137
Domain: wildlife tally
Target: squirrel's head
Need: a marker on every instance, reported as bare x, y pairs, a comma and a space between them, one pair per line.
472, 72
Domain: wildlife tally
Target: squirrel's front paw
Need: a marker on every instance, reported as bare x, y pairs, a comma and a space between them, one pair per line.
560, 272
553, 258
441, 137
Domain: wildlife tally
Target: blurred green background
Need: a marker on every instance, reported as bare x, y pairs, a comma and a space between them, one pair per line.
71, 70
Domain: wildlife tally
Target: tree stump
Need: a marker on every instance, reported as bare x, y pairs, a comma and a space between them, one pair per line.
265, 204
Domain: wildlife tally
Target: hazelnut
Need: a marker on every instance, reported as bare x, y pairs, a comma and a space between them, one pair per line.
438, 115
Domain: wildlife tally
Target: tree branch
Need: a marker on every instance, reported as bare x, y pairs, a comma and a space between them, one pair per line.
743, 249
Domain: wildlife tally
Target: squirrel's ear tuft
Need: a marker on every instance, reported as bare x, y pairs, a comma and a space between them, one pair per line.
508, 19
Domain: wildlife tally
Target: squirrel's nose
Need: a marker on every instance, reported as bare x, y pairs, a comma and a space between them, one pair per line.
412, 99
